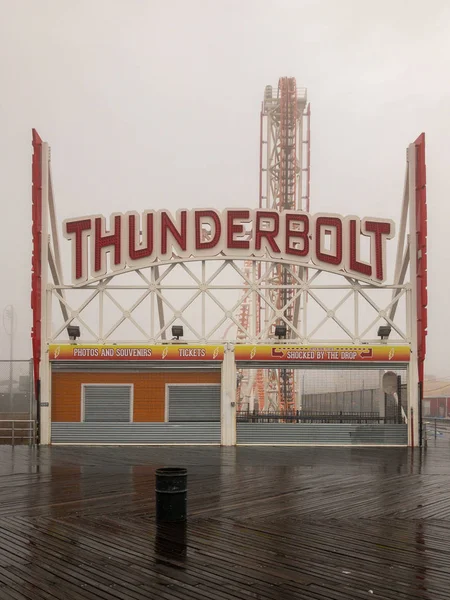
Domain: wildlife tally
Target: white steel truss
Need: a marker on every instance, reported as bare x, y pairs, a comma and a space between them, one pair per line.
198, 304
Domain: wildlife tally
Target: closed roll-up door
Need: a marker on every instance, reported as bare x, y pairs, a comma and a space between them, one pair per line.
321, 434
107, 403
194, 403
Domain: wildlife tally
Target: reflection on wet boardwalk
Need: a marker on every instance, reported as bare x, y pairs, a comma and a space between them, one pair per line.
266, 523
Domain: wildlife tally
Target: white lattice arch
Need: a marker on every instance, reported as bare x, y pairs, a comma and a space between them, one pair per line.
206, 282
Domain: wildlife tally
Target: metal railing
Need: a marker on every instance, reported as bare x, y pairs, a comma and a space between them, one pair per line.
301, 92
17, 431
434, 427
314, 417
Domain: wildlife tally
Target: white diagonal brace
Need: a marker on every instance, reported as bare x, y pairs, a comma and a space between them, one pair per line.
232, 317
333, 316
180, 312
190, 273
350, 294
56, 281
276, 316
80, 309
129, 316
401, 279
379, 310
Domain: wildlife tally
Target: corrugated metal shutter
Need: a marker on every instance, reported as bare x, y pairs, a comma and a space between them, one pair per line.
321, 434
107, 403
194, 403
251, 364
130, 366
136, 433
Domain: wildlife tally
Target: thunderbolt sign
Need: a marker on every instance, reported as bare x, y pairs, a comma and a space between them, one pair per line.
133, 241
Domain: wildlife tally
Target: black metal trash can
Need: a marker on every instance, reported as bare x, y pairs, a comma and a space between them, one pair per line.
171, 494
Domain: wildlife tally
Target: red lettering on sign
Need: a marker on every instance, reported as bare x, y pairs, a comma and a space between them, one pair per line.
237, 228
200, 215
355, 264
105, 241
167, 225
148, 249
269, 234
292, 234
77, 228
335, 257
380, 230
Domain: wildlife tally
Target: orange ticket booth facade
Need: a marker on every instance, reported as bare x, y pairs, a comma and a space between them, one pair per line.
136, 394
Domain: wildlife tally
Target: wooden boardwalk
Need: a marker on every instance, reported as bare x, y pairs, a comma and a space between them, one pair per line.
264, 523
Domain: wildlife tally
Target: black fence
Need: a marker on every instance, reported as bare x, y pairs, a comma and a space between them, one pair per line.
301, 416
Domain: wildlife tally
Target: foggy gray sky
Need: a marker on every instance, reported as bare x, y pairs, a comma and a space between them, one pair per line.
156, 104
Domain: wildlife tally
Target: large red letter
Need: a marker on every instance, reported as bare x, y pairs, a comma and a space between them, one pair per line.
168, 225
232, 229
355, 264
199, 216
104, 241
142, 252
297, 233
77, 228
331, 259
380, 229
268, 234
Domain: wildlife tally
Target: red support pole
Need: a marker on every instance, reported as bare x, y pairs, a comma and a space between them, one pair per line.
421, 224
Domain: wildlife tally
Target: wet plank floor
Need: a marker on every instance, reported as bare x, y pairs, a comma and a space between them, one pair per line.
264, 523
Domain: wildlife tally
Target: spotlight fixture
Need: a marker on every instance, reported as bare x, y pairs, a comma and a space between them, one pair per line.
280, 331
73, 332
177, 331
384, 332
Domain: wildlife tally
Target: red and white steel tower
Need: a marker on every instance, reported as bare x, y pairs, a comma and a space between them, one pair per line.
284, 184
